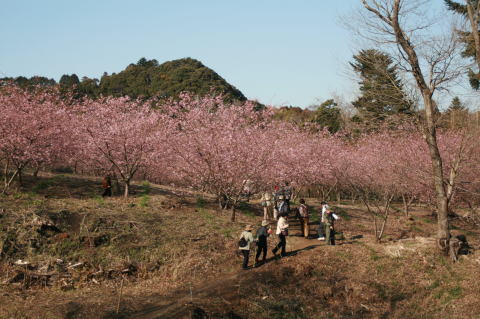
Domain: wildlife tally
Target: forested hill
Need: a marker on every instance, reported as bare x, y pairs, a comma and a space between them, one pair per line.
146, 78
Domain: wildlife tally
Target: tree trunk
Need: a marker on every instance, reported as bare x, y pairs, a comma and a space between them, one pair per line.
234, 207
236, 199
127, 188
443, 230
406, 208
5, 174
117, 189
20, 177
35, 172
443, 233
220, 203
385, 217
9, 181
473, 17
390, 16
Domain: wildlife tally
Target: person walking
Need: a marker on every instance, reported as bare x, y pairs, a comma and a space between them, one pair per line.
246, 239
276, 192
329, 227
321, 218
304, 217
267, 204
247, 189
282, 233
261, 238
282, 206
287, 192
107, 186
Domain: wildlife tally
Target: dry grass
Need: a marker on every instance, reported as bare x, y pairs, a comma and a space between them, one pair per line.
169, 236
183, 250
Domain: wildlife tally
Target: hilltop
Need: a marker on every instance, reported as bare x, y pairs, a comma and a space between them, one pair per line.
146, 78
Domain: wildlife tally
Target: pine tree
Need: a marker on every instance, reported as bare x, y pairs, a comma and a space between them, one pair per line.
456, 115
328, 115
470, 10
69, 81
456, 105
381, 90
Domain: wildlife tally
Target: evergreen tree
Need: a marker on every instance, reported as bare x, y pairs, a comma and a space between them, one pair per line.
328, 115
468, 38
456, 116
88, 87
69, 81
30, 83
293, 114
381, 90
456, 105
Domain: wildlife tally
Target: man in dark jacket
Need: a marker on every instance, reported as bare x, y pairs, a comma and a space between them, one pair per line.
261, 237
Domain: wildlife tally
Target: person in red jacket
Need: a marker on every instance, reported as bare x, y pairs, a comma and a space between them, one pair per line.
107, 186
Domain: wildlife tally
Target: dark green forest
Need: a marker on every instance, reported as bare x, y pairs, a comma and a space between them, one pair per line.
145, 79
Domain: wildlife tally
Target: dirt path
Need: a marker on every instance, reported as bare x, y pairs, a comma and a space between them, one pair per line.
181, 303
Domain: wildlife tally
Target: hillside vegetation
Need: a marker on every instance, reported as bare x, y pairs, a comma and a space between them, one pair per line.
146, 79
168, 253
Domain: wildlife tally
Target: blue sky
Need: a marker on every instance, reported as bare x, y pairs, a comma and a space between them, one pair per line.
279, 52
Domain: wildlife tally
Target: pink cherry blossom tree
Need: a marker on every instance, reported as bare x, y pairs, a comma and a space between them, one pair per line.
369, 174
33, 130
218, 148
310, 158
118, 135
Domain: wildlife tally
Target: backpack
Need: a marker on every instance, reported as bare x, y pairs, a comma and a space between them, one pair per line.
242, 242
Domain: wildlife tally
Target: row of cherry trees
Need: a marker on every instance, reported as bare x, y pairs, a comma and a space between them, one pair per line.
33, 132
218, 148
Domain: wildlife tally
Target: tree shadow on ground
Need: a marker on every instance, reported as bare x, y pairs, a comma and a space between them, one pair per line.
182, 301
62, 186
288, 254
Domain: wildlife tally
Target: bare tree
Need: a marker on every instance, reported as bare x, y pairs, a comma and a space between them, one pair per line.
400, 27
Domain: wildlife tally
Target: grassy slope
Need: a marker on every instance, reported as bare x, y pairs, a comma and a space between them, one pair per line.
183, 250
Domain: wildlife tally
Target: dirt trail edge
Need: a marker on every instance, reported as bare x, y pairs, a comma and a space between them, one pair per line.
226, 287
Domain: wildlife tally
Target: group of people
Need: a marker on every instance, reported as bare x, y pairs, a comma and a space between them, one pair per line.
278, 204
